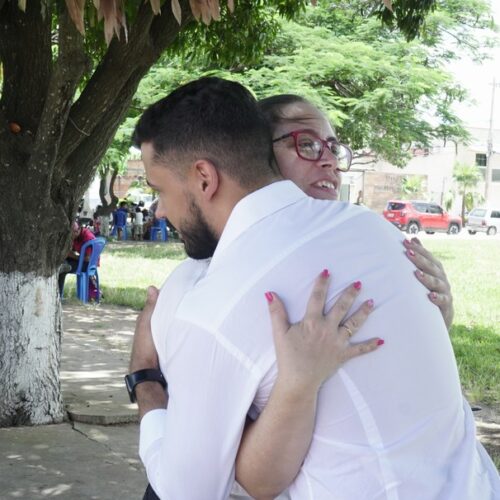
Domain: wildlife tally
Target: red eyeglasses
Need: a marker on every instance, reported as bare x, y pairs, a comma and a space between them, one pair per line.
310, 147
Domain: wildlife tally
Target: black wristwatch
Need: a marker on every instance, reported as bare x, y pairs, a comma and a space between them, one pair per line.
147, 375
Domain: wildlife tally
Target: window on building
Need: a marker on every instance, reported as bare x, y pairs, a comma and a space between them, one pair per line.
480, 159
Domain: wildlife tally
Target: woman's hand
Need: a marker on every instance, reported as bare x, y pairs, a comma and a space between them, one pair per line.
273, 447
310, 351
431, 274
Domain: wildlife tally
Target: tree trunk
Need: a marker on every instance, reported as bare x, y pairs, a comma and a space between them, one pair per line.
52, 138
105, 225
30, 340
463, 205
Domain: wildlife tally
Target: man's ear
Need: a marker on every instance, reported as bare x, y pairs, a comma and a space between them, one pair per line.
206, 179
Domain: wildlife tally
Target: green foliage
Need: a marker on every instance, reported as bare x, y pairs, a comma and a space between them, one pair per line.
412, 187
467, 178
115, 158
226, 44
380, 92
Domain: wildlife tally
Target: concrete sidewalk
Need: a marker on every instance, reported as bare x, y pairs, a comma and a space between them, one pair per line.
94, 456
87, 457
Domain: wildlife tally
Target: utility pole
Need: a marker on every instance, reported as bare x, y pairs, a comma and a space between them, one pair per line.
487, 183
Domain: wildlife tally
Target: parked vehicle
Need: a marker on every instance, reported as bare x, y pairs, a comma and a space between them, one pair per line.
414, 216
485, 220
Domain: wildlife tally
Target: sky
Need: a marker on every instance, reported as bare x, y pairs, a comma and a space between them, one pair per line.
478, 78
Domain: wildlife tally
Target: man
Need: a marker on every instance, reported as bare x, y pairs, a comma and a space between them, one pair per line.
394, 426
120, 220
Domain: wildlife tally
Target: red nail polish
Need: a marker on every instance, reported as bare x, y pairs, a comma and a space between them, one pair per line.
434, 295
406, 243
269, 297
380, 342
370, 303
357, 285
325, 273
410, 252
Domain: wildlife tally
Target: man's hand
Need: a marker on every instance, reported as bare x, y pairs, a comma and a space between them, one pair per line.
143, 349
431, 274
150, 395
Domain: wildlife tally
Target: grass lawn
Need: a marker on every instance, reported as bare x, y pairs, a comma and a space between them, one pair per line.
473, 269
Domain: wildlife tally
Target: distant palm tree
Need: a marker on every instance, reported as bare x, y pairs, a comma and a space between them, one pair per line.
412, 186
467, 177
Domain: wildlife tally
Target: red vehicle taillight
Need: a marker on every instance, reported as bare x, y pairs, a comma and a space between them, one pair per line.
483, 223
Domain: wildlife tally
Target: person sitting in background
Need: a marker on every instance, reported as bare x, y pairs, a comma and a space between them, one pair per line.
80, 235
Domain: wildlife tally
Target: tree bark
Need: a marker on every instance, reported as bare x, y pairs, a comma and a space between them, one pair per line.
51, 141
30, 341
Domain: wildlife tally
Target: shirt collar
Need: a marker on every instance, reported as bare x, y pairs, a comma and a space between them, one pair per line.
255, 207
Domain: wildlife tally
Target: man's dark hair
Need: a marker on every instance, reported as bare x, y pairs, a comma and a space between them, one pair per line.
214, 119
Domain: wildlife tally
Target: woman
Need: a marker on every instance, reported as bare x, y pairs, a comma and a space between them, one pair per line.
272, 449
322, 179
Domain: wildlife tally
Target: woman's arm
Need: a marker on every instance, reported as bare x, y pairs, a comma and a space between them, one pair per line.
431, 274
273, 447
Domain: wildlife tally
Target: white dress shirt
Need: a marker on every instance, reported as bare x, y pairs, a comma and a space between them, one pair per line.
391, 425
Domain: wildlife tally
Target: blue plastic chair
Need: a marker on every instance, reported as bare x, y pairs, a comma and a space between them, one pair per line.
159, 227
82, 277
119, 222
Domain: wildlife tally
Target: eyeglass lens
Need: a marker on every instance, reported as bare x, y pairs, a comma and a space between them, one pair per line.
310, 147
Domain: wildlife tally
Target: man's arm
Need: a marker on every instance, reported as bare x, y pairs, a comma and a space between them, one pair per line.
149, 395
431, 274
207, 406
273, 448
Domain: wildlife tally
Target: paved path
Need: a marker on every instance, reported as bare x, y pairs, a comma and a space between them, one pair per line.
88, 458
82, 459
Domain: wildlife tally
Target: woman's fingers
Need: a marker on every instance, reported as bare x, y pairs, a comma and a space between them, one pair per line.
343, 304
440, 299
317, 300
353, 323
432, 283
355, 350
279, 316
423, 259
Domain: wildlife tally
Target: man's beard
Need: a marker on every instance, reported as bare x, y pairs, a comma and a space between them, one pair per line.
200, 241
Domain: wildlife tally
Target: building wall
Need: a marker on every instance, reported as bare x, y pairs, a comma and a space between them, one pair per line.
382, 181
135, 171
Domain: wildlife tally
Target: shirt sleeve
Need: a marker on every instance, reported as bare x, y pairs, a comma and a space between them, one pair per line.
189, 450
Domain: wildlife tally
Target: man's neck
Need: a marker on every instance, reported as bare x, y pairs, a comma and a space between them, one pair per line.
233, 194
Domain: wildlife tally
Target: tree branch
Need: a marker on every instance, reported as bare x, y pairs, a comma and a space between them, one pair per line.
26, 55
68, 70
149, 36
107, 208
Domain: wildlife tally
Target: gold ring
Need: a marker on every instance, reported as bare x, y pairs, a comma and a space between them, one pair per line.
349, 331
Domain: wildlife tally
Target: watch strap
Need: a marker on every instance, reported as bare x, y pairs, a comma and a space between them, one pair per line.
145, 375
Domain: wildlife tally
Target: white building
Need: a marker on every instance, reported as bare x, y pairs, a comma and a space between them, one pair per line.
382, 181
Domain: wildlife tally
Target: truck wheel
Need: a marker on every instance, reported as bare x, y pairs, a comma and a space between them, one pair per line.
453, 229
492, 231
